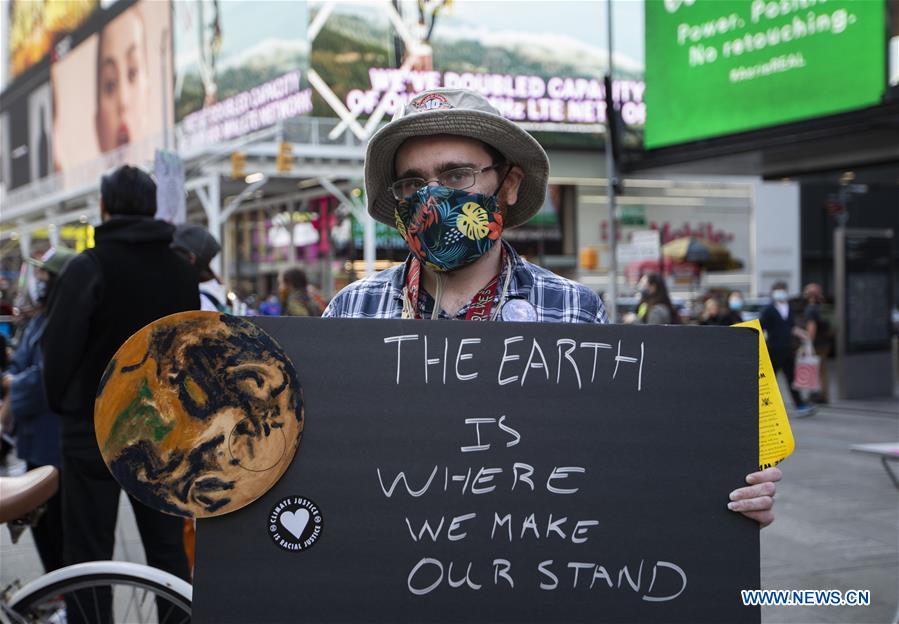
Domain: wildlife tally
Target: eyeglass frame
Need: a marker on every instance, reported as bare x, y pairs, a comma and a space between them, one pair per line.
474, 173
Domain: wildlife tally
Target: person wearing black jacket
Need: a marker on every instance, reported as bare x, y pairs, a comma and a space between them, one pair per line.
781, 333
104, 295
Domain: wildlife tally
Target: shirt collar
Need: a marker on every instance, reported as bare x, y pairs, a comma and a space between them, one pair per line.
519, 285
522, 280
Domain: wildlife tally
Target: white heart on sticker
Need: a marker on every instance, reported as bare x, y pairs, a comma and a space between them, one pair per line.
295, 521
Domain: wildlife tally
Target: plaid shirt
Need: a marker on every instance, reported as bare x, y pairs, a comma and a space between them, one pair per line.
554, 298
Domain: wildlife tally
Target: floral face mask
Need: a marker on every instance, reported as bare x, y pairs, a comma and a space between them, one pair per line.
448, 228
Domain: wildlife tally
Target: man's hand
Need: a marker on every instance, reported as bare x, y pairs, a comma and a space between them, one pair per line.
757, 500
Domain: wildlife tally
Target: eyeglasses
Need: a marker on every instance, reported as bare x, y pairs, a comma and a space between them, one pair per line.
458, 179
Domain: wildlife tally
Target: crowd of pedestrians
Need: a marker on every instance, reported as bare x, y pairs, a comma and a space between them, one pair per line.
791, 326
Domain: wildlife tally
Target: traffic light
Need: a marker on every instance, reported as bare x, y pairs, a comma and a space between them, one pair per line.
238, 164
284, 162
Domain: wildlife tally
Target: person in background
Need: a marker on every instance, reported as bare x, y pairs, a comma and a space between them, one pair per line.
781, 333
655, 307
128, 280
735, 306
36, 425
6, 326
270, 306
6, 333
198, 247
713, 313
819, 333
4, 353
293, 288
315, 292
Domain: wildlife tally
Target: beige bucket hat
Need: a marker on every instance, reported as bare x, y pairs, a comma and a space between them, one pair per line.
462, 113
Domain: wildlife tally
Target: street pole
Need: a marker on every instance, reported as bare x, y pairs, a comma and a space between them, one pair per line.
612, 308
164, 90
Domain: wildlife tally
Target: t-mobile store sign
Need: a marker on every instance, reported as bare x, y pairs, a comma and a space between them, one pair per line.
246, 112
573, 104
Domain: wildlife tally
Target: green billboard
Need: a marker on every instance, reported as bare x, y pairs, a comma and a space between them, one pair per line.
715, 67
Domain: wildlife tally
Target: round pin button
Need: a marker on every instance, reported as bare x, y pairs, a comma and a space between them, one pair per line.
518, 310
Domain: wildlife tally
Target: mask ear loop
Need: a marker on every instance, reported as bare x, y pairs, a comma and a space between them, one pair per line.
503, 181
408, 308
505, 291
502, 297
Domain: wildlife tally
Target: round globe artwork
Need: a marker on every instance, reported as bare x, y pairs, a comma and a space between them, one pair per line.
199, 414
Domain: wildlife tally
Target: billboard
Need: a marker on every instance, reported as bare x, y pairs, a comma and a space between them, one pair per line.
716, 67
108, 91
36, 27
541, 64
26, 140
239, 67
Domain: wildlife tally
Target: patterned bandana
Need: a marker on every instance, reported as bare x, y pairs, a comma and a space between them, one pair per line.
446, 228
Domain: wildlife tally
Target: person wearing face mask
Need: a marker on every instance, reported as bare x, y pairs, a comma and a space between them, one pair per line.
819, 334
734, 311
36, 425
713, 313
294, 294
781, 333
451, 175
655, 307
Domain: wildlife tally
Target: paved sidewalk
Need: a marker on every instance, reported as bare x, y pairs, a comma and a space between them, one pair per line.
20, 561
837, 513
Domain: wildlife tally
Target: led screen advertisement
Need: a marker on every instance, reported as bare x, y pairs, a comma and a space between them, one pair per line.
108, 91
239, 67
25, 137
715, 67
36, 27
540, 63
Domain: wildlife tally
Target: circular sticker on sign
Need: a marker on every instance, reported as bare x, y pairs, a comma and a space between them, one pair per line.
520, 310
199, 414
295, 523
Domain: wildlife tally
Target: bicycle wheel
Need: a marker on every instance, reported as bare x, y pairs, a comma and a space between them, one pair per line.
105, 591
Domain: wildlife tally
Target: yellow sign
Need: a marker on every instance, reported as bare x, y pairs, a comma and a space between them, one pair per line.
775, 435
238, 164
78, 237
285, 159
82, 236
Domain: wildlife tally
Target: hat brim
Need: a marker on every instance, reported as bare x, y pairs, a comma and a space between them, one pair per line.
516, 145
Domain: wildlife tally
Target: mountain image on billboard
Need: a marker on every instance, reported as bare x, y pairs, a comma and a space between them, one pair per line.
540, 65
239, 67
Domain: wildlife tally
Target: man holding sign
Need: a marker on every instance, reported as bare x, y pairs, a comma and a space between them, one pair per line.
450, 173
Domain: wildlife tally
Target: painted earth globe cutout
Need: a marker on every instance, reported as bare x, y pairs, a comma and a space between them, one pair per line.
199, 414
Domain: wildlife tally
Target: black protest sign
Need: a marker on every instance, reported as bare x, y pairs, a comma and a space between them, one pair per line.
500, 472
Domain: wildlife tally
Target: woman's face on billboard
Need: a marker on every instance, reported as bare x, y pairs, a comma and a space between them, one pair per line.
122, 82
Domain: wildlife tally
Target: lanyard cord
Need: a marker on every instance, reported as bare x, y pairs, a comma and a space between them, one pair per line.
505, 291
409, 307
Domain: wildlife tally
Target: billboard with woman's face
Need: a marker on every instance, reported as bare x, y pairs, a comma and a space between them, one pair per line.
108, 91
